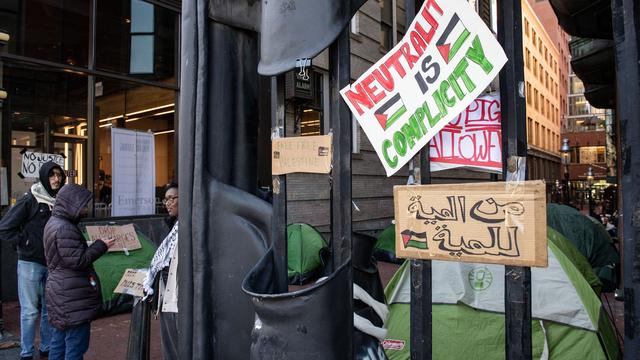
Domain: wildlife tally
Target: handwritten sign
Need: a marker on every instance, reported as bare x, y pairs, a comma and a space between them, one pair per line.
125, 235
472, 140
32, 162
493, 222
446, 59
131, 282
307, 154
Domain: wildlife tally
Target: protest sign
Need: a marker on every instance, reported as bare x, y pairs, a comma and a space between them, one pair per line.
493, 222
134, 173
472, 140
32, 161
131, 282
446, 59
125, 236
307, 154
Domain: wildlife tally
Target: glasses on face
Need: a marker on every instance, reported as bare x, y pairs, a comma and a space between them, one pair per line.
56, 174
169, 199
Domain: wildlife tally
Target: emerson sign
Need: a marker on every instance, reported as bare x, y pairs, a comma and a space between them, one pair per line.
446, 59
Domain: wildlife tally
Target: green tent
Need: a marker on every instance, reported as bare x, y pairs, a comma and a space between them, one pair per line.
590, 238
306, 252
385, 248
111, 266
569, 321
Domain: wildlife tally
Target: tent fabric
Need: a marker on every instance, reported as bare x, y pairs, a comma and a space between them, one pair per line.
305, 246
469, 304
590, 238
574, 255
385, 249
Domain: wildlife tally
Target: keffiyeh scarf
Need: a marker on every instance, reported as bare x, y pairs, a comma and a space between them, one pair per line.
161, 259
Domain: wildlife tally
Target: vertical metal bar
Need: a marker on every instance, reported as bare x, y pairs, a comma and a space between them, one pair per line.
421, 299
279, 218
626, 27
340, 120
91, 100
517, 279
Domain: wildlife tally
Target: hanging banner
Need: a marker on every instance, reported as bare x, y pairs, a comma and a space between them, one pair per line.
492, 222
32, 161
471, 140
301, 154
134, 173
446, 59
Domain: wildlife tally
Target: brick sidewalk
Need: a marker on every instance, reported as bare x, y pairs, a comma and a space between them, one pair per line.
109, 335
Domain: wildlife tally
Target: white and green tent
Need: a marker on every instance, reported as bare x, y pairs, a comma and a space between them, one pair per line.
569, 321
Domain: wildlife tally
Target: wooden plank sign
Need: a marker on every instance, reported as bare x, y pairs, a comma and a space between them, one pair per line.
125, 235
131, 282
306, 154
497, 222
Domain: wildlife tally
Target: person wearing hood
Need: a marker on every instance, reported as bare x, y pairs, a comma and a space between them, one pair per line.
23, 226
72, 291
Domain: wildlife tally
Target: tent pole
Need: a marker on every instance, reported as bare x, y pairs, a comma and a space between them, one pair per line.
517, 279
279, 217
626, 26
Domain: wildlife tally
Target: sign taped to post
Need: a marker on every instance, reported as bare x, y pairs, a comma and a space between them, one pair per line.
125, 235
493, 222
131, 282
472, 140
32, 162
301, 154
446, 59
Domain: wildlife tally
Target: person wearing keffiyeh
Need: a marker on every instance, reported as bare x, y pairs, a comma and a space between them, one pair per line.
165, 264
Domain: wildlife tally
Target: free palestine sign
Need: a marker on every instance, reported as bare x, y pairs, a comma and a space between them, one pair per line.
446, 59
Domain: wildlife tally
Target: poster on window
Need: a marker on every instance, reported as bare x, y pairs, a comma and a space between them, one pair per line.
32, 161
446, 59
471, 140
134, 173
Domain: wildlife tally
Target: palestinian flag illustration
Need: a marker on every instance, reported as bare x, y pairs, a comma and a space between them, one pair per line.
390, 111
452, 38
414, 239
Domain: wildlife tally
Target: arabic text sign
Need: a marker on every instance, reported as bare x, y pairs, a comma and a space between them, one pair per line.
308, 154
131, 282
32, 161
492, 222
473, 139
125, 235
446, 59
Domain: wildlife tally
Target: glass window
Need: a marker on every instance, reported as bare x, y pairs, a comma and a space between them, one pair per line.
136, 38
51, 30
46, 110
578, 105
137, 107
386, 23
575, 85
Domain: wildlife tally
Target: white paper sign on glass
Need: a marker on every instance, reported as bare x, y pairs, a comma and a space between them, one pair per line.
445, 60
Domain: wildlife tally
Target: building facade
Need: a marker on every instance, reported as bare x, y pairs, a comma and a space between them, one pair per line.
543, 77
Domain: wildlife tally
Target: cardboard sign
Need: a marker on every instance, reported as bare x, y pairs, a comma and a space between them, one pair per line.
32, 162
125, 235
306, 154
446, 59
472, 140
494, 222
131, 282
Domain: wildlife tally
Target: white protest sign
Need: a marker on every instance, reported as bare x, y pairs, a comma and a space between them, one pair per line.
32, 162
446, 59
472, 140
134, 173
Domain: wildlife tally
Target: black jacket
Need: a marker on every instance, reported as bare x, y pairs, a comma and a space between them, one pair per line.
23, 225
73, 296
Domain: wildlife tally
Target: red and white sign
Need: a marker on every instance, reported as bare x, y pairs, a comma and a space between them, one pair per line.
472, 140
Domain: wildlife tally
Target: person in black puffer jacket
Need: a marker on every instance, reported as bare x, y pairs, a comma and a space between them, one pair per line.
23, 226
72, 291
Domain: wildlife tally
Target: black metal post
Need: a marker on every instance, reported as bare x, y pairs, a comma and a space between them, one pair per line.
421, 297
517, 279
626, 27
279, 217
340, 119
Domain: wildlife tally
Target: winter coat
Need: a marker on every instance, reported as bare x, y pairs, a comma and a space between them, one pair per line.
73, 296
23, 225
